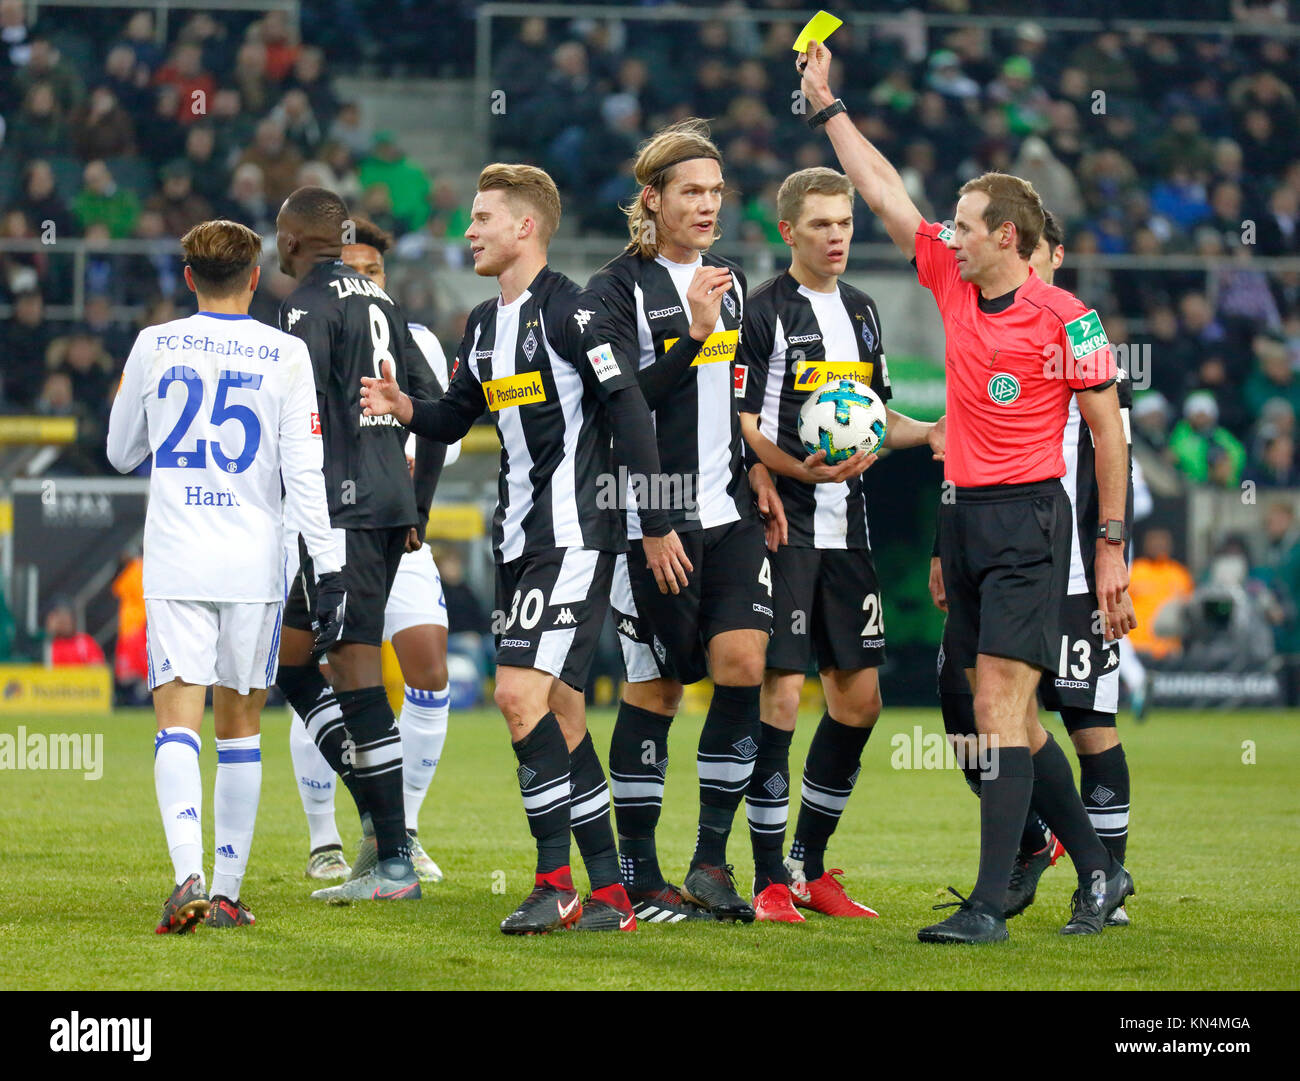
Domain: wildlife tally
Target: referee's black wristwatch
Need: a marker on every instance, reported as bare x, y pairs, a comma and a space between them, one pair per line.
821, 116
1112, 531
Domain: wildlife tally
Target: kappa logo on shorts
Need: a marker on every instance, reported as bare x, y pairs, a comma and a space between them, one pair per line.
1112, 659
1072, 684
762, 610
565, 618
514, 643
625, 626
1004, 388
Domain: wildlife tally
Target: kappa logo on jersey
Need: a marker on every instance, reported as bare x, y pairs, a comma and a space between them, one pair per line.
740, 377
603, 362
1004, 388
565, 618
1086, 334
812, 374
664, 313
512, 390
718, 346
582, 317
315, 424
294, 315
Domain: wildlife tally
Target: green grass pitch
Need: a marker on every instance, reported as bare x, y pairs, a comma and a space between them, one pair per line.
1213, 849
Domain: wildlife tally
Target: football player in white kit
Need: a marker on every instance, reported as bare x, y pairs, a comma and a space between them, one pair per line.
415, 621
226, 408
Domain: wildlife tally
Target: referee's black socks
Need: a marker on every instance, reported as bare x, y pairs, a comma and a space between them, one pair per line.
377, 765
305, 689
543, 775
1057, 800
1005, 791
725, 762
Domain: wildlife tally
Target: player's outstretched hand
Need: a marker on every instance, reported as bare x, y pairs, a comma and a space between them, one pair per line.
937, 593
704, 295
815, 67
666, 558
382, 396
331, 600
776, 530
818, 472
938, 437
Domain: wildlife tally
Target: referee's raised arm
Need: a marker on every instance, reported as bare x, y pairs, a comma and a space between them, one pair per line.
872, 174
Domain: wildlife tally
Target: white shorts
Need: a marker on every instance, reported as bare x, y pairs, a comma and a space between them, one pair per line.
416, 598
235, 645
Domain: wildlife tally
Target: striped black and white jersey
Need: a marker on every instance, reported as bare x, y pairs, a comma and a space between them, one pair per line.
535, 366
794, 341
646, 314
1080, 482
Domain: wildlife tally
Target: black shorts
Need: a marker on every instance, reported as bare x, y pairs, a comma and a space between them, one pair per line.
827, 606
1086, 673
1005, 551
666, 635
952, 677
370, 565
550, 607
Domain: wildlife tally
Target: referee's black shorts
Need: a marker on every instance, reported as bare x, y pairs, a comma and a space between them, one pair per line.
1005, 551
370, 566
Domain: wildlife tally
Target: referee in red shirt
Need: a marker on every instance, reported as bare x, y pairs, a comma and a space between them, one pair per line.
1016, 349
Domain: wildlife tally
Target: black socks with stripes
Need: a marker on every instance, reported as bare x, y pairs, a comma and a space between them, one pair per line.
767, 804
589, 815
725, 762
377, 765
829, 774
305, 689
543, 775
638, 763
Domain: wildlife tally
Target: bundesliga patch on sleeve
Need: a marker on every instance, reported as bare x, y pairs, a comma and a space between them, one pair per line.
1086, 334
603, 362
315, 424
741, 378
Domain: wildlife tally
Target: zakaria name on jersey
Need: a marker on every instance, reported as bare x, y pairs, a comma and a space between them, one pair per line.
645, 316
351, 327
796, 340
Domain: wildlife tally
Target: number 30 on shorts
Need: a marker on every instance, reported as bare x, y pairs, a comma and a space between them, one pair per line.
531, 611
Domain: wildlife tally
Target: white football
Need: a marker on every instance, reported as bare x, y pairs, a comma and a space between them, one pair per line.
842, 417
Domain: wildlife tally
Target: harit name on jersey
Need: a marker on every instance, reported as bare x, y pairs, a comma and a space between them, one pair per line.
198, 496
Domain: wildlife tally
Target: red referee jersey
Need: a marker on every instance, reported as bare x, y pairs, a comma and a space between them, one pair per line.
1010, 374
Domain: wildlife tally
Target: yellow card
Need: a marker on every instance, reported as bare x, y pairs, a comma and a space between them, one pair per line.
819, 28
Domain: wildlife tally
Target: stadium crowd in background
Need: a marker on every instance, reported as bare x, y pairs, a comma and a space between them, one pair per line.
1144, 144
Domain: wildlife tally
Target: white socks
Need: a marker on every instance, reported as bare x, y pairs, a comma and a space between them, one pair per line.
424, 729
238, 788
316, 783
179, 788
